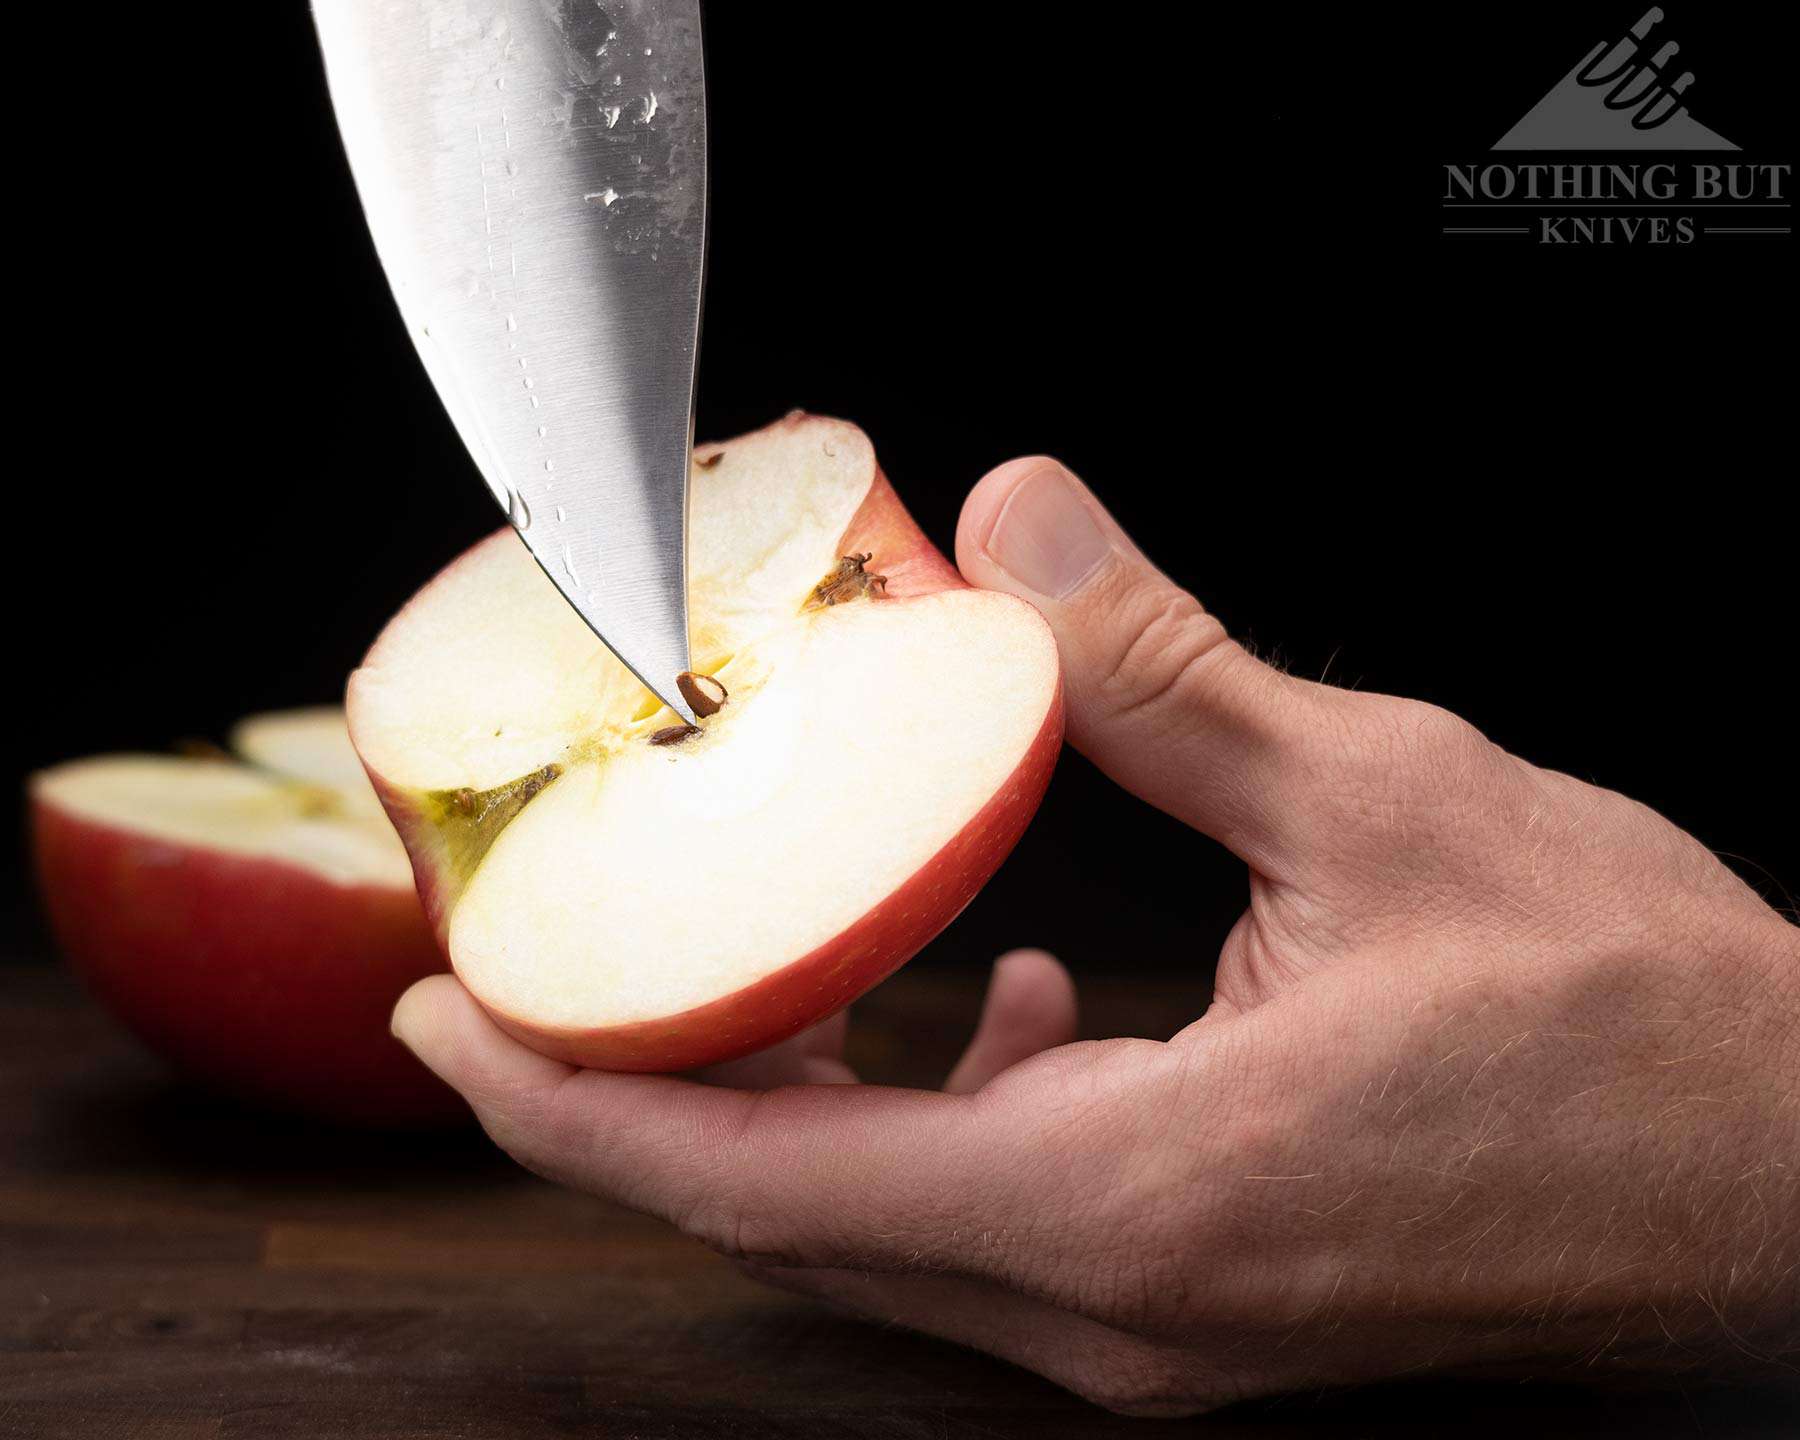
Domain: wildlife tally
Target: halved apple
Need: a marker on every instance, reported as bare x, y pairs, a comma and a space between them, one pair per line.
254, 923
625, 894
312, 746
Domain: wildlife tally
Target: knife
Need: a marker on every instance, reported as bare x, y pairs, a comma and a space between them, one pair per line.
534, 176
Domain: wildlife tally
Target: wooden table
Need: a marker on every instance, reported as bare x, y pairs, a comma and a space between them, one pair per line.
173, 1266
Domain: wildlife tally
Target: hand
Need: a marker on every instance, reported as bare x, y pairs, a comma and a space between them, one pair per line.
1500, 1074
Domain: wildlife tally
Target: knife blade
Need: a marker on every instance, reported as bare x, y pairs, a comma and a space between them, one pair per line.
534, 177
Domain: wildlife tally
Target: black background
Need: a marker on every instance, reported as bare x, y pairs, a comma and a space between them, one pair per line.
1195, 257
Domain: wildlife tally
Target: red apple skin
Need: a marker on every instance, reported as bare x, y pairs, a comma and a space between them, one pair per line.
257, 976
819, 984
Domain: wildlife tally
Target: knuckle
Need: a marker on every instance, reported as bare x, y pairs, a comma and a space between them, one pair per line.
1427, 734
1166, 646
736, 1215
1416, 754
741, 1233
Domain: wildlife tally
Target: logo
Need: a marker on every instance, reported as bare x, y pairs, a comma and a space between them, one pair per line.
1620, 98
1629, 96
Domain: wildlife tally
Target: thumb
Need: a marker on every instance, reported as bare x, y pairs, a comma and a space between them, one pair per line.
1158, 695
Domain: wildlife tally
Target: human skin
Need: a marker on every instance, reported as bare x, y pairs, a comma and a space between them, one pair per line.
1500, 1074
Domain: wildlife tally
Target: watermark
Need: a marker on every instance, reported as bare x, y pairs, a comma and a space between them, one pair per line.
1631, 96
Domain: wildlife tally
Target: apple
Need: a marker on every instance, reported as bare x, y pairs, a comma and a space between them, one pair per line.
254, 923
622, 891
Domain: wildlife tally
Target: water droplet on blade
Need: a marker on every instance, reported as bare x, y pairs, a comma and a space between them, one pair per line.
518, 511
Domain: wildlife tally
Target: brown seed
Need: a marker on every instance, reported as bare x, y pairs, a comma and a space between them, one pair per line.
706, 462
673, 734
703, 694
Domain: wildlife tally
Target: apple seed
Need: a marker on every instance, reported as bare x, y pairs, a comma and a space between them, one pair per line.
674, 734
703, 694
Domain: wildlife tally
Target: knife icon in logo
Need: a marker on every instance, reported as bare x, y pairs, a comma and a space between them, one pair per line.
1644, 108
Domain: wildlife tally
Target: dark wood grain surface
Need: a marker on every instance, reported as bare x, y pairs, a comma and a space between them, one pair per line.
174, 1266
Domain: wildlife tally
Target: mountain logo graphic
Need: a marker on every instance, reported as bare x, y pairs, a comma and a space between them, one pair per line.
1621, 97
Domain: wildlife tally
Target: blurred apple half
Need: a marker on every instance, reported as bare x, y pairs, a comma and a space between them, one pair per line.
253, 920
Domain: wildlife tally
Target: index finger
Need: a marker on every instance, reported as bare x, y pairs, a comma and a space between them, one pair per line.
858, 1176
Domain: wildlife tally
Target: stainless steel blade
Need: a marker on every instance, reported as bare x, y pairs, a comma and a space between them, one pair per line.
534, 174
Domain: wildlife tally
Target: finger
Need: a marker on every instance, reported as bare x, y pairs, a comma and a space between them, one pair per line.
1158, 695
860, 1175
1030, 1007
813, 1057
1083, 1355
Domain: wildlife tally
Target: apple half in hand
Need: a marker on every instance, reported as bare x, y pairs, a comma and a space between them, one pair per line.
254, 923
621, 893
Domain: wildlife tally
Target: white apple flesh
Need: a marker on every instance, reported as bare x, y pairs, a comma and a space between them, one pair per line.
312, 746
886, 735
